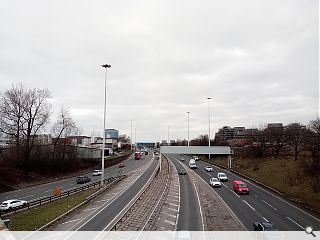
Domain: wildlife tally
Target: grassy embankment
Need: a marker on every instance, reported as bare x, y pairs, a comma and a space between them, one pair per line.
283, 174
34, 218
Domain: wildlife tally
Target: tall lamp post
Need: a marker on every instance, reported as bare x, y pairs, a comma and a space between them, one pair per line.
106, 66
209, 98
131, 137
188, 129
168, 135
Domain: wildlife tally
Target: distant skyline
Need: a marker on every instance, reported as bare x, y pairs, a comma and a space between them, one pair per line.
257, 60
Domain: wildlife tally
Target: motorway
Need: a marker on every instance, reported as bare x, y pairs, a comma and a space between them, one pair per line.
189, 213
259, 205
45, 190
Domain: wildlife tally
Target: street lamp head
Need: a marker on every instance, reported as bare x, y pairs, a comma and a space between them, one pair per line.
106, 66
188, 112
209, 98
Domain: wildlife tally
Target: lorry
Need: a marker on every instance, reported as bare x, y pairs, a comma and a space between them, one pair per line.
192, 164
137, 155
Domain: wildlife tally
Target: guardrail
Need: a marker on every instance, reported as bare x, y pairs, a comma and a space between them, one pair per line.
40, 201
122, 214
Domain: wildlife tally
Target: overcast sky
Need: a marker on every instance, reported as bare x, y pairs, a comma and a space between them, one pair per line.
257, 59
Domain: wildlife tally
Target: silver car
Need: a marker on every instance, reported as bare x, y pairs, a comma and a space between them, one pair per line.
214, 182
12, 204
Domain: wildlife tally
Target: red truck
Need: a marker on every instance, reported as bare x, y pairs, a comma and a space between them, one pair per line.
137, 155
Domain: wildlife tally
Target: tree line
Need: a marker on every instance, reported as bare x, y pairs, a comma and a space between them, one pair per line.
24, 114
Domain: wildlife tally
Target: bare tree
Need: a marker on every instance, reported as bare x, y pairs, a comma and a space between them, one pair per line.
294, 133
11, 114
63, 127
24, 112
36, 116
276, 139
313, 145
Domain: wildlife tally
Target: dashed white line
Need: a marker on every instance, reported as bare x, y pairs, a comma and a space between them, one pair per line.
226, 186
265, 219
171, 223
269, 205
173, 209
171, 215
172, 204
89, 209
249, 205
75, 220
235, 193
295, 223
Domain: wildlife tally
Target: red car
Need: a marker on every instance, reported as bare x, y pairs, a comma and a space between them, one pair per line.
240, 187
121, 165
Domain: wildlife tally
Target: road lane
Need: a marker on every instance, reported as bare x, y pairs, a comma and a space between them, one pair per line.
260, 204
45, 190
189, 211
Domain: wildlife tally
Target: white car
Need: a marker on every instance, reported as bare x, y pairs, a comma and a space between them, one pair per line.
196, 158
209, 169
182, 159
12, 204
97, 173
214, 182
222, 177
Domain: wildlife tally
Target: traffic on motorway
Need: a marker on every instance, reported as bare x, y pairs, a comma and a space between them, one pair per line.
46, 190
251, 203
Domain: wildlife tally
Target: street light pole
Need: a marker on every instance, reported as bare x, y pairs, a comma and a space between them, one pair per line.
131, 137
106, 66
188, 129
209, 98
168, 135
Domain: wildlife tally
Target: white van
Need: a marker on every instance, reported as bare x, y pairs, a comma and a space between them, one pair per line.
192, 164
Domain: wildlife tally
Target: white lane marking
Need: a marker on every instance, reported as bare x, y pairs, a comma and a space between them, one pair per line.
269, 205
200, 209
283, 200
295, 223
115, 197
75, 220
172, 204
102, 200
249, 205
170, 215
89, 209
171, 223
226, 186
235, 193
173, 209
26, 196
265, 219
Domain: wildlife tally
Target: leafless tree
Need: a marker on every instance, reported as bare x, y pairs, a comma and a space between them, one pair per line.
63, 127
276, 138
23, 113
313, 144
294, 133
11, 114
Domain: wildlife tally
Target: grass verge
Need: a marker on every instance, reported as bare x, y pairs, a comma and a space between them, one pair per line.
32, 219
283, 174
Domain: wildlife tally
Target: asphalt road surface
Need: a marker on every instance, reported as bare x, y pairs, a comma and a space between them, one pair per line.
259, 205
45, 190
189, 212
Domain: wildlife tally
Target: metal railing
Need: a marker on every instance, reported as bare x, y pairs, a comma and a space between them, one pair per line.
43, 200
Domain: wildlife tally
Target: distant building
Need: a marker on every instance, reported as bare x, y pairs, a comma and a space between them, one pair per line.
146, 144
111, 133
42, 139
274, 125
164, 143
82, 141
228, 133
